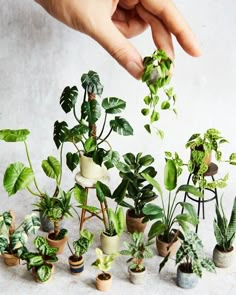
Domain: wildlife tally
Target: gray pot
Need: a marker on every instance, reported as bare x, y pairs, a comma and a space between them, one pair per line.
186, 280
222, 259
46, 225
137, 278
109, 244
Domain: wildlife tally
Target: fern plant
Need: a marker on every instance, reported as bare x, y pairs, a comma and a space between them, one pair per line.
139, 250
225, 231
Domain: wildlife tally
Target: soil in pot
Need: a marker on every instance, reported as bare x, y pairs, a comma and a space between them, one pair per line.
221, 258
76, 264
164, 248
137, 277
60, 244
104, 282
109, 244
185, 277
134, 223
11, 259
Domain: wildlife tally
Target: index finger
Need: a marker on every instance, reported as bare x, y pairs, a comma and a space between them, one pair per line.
167, 12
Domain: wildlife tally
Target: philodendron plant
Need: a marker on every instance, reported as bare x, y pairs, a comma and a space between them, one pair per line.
157, 75
13, 240
166, 215
90, 132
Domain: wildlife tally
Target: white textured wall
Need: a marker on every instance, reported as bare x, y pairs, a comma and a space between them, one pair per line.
39, 57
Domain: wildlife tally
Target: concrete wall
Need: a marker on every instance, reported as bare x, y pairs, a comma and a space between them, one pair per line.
40, 56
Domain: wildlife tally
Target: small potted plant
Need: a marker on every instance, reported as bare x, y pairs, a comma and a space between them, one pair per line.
91, 150
225, 235
139, 250
166, 216
81, 246
190, 261
138, 189
13, 240
56, 208
104, 263
41, 262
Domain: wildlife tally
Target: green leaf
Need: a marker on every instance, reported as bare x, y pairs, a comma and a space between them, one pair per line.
72, 160
148, 128
80, 194
152, 209
156, 229
146, 160
153, 182
90, 145
31, 224
102, 191
51, 167
68, 98
91, 111
10, 135
165, 105
190, 189
155, 116
111, 159
120, 192
170, 175
44, 273
113, 105
60, 133
145, 112
191, 212
91, 83
18, 240
232, 221
3, 244
17, 177
121, 126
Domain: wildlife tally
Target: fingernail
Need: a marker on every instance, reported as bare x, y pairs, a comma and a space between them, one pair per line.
134, 69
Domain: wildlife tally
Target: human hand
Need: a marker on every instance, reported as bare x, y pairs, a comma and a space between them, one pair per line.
111, 22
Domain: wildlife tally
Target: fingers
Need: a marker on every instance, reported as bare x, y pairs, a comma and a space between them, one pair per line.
119, 48
169, 15
161, 36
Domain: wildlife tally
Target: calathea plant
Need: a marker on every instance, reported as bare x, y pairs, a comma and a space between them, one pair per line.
157, 75
13, 239
86, 132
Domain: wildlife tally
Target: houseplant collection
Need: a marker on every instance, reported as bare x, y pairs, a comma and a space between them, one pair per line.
137, 183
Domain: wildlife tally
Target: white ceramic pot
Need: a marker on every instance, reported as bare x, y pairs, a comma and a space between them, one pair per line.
137, 278
223, 259
186, 280
109, 244
91, 170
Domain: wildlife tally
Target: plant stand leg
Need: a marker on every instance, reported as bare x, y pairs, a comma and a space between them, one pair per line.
83, 212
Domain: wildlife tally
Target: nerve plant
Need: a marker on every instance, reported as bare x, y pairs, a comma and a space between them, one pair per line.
13, 239
138, 250
157, 75
225, 230
86, 133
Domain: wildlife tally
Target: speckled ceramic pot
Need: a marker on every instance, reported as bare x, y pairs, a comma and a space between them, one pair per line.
223, 259
186, 280
137, 278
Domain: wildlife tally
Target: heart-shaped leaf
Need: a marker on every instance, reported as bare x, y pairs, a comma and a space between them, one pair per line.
10, 135
51, 167
72, 160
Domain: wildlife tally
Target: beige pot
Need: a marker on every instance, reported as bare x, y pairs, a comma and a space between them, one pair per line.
104, 284
91, 170
223, 259
60, 244
11, 259
109, 244
134, 223
164, 248
137, 278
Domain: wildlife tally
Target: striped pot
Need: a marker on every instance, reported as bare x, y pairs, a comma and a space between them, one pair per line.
76, 264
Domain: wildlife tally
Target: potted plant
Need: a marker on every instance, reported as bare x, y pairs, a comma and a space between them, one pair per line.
139, 250
201, 147
13, 240
190, 261
225, 235
56, 208
166, 216
41, 262
138, 189
86, 132
81, 246
157, 75
104, 263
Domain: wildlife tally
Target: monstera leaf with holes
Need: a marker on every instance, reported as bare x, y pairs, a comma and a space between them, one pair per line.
91, 111
121, 126
60, 133
17, 177
68, 98
91, 83
113, 105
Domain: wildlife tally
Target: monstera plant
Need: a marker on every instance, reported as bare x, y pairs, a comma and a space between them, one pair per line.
90, 133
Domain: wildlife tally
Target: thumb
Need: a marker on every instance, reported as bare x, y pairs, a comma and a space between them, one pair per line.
112, 40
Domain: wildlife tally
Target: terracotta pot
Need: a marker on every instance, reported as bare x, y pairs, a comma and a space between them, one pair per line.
223, 259
137, 278
134, 223
76, 265
11, 259
109, 244
60, 244
164, 248
35, 275
103, 284
91, 170
186, 280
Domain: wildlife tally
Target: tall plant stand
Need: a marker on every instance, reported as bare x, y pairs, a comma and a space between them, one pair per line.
211, 172
90, 184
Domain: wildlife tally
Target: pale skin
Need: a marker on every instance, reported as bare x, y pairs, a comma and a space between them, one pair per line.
112, 22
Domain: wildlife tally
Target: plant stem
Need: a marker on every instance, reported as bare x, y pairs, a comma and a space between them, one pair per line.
103, 126
30, 164
75, 115
33, 193
60, 176
104, 139
68, 244
56, 228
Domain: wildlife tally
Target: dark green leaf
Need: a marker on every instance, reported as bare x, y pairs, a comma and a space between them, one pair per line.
72, 160
60, 133
68, 98
121, 126
113, 105
102, 191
